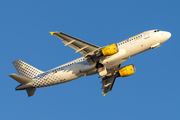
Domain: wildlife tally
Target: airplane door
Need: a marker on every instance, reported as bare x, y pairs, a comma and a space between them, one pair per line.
146, 35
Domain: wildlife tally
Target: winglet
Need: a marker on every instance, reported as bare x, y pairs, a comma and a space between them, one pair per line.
103, 93
51, 33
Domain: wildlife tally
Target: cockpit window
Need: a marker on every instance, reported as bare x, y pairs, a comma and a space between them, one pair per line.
156, 30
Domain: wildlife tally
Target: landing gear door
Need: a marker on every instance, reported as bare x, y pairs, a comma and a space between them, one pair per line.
146, 35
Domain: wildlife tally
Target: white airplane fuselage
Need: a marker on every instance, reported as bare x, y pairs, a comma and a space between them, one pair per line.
80, 67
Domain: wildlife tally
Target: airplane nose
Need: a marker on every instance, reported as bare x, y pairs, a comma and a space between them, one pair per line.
168, 34
165, 36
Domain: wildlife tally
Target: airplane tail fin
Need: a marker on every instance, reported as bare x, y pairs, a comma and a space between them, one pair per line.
26, 74
25, 69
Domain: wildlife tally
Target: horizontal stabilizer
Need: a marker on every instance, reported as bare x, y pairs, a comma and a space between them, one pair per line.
21, 79
31, 92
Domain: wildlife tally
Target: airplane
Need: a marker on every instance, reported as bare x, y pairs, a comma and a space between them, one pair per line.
105, 61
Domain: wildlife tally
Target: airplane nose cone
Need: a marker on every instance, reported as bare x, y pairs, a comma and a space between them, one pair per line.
168, 34
165, 36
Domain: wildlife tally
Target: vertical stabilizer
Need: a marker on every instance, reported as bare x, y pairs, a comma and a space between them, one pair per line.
25, 69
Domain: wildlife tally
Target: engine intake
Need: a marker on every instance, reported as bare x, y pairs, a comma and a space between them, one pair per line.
108, 50
126, 71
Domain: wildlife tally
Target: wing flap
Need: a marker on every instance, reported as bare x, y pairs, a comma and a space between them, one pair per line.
107, 84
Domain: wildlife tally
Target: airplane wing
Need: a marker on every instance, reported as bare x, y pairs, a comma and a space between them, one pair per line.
80, 46
107, 84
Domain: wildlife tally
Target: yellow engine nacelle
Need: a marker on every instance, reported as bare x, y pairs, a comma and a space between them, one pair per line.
127, 70
109, 50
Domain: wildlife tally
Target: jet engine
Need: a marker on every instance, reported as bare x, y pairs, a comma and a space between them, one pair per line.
126, 71
108, 50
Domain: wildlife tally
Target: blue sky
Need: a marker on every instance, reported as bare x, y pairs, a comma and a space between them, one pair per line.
152, 93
